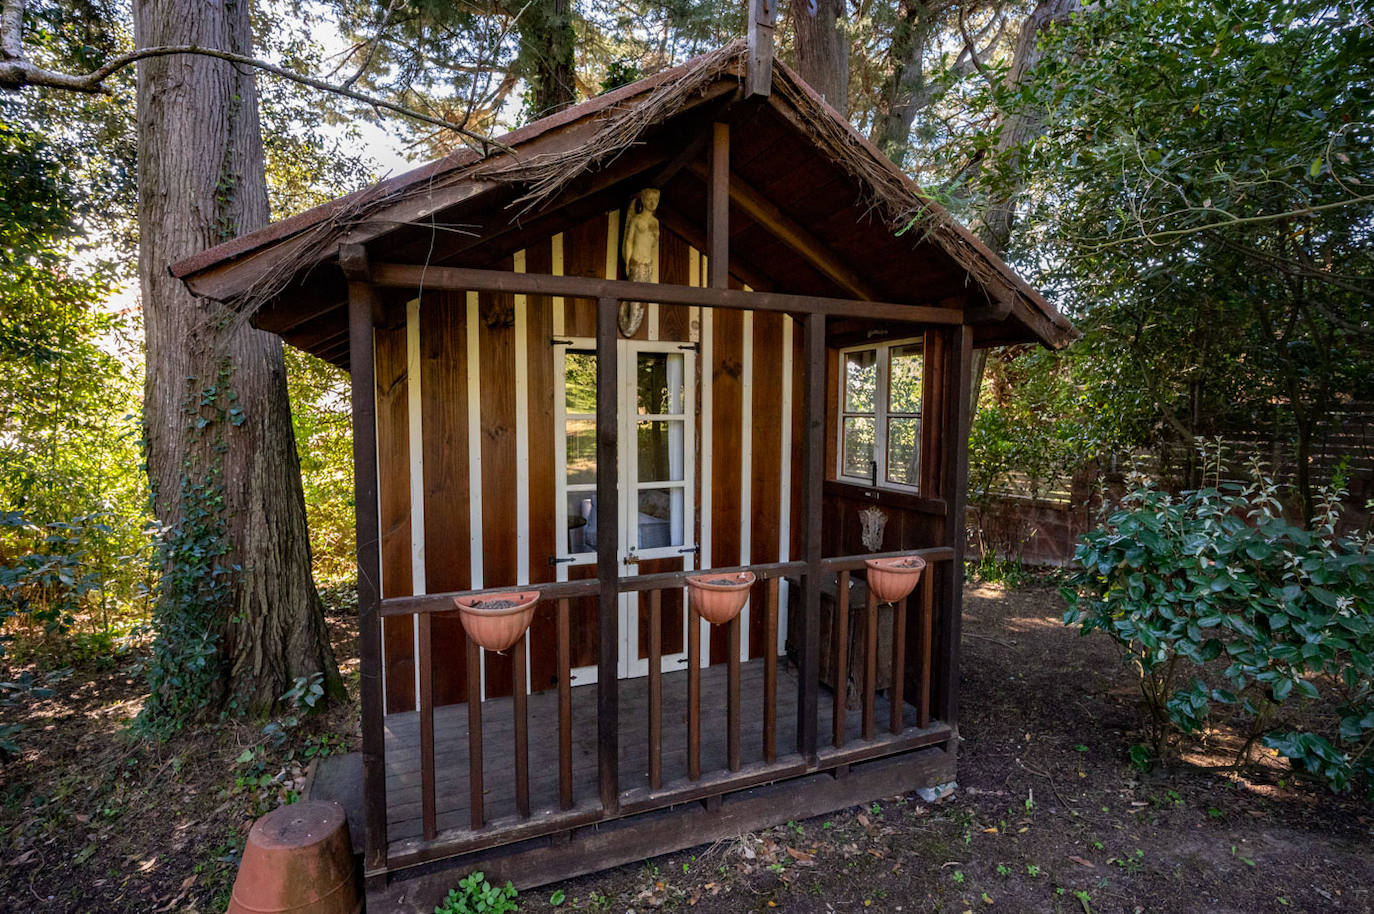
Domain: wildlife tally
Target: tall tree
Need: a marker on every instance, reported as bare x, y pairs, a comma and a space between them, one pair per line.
820, 49
221, 455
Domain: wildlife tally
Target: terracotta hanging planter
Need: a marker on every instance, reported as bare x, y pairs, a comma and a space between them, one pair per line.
893, 578
717, 597
496, 621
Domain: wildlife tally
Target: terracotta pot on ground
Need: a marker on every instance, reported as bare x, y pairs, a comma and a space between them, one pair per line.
717, 597
298, 858
496, 621
893, 578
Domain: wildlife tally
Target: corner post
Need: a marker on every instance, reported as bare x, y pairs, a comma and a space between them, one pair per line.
955, 413
718, 208
813, 477
763, 16
363, 304
607, 559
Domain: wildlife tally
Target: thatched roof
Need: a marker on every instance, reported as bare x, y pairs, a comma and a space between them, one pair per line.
869, 212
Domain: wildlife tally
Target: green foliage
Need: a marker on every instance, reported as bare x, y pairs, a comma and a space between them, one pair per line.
323, 424
475, 895
1279, 618
47, 581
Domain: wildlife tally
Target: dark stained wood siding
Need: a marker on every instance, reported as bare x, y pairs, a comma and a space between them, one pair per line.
727, 390
584, 254
543, 490
444, 425
765, 490
393, 496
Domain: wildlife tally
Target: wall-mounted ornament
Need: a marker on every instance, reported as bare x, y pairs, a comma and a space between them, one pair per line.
872, 520
640, 252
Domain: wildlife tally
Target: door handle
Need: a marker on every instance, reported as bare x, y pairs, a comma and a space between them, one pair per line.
631, 559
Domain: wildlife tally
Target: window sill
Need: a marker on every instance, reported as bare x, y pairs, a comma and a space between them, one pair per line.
891, 498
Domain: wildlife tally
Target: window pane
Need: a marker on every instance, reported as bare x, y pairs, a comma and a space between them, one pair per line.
659, 379
858, 446
903, 451
581, 450
660, 517
581, 522
579, 381
660, 451
904, 395
860, 380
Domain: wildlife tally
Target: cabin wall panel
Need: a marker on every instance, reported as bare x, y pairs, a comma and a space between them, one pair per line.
444, 424
393, 496
765, 500
543, 536
726, 373
584, 254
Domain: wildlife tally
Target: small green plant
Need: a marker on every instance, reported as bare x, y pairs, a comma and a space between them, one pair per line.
1003, 870
557, 898
1032, 870
958, 877
475, 895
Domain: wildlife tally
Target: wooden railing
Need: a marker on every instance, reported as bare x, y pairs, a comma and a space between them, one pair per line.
738, 771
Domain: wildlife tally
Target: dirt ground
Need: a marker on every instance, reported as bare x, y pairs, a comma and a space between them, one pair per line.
1049, 815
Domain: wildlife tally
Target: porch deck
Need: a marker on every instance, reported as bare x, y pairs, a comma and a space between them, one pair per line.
403, 774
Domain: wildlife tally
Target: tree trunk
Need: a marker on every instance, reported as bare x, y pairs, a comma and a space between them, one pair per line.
547, 44
1017, 129
221, 455
821, 49
904, 91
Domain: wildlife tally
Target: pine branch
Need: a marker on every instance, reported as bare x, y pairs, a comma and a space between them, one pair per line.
18, 72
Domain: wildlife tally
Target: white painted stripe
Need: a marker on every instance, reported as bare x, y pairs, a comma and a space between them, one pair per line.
746, 464
522, 445
415, 434
612, 244
707, 439
785, 500
694, 279
558, 304
475, 463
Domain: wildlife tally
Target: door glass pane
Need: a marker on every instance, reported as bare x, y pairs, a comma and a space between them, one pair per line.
659, 380
581, 522
858, 446
904, 394
660, 517
579, 381
903, 450
581, 444
660, 450
860, 380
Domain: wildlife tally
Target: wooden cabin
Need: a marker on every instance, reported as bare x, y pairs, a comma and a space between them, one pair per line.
793, 350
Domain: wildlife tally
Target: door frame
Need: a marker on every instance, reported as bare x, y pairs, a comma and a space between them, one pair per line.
630, 665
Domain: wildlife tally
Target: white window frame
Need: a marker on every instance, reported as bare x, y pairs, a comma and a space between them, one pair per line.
880, 414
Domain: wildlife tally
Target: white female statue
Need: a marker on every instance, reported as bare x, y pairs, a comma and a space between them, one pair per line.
640, 251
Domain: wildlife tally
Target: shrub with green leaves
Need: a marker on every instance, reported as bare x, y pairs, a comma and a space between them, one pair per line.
1280, 618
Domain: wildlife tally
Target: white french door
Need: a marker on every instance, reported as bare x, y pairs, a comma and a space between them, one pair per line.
657, 479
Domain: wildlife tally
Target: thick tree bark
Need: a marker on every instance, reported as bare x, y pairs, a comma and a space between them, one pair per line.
547, 44
215, 402
821, 49
904, 92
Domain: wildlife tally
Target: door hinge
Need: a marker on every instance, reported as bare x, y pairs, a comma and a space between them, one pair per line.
694, 550
555, 560
695, 347
557, 342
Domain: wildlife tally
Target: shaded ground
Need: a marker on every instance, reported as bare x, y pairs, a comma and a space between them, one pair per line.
1049, 815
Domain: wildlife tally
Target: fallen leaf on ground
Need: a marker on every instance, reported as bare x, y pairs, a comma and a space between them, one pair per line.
1088, 863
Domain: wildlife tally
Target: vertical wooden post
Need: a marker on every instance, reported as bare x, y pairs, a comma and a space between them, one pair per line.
718, 209
770, 675
923, 628
870, 664
955, 413
732, 705
840, 630
693, 694
565, 772
475, 792
426, 661
896, 690
362, 304
813, 477
763, 15
607, 560
520, 709
655, 689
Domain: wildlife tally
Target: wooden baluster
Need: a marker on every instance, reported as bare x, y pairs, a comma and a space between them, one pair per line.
894, 694
693, 695
770, 675
870, 664
565, 771
426, 659
841, 633
519, 704
732, 736
927, 612
655, 691
475, 733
